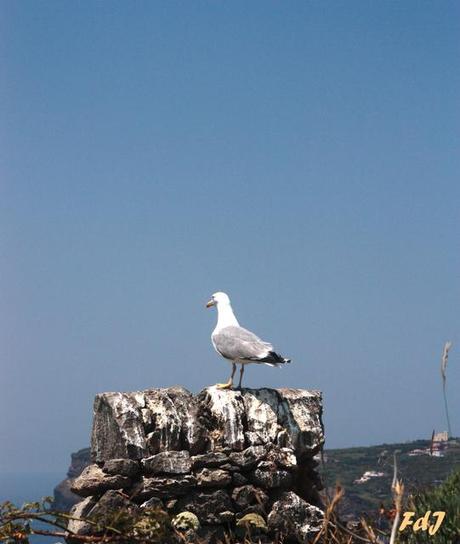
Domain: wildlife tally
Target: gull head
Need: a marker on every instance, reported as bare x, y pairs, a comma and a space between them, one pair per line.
218, 298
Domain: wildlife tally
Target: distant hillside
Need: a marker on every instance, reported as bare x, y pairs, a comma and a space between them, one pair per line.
348, 465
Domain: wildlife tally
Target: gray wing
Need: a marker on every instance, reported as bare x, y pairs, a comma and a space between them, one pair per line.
237, 343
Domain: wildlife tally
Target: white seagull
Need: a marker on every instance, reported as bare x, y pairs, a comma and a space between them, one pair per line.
237, 344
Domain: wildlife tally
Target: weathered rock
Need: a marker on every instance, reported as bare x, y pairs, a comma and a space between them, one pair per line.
249, 498
238, 479
78, 513
123, 467
225, 415
226, 517
213, 478
210, 460
173, 421
102, 509
229, 467
261, 407
289, 417
283, 440
163, 487
249, 457
211, 534
153, 502
210, 507
136, 425
111, 502
171, 504
294, 518
193, 431
93, 481
270, 477
168, 462
300, 414
118, 430
283, 458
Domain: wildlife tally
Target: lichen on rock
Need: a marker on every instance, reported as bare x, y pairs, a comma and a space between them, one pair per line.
253, 521
186, 521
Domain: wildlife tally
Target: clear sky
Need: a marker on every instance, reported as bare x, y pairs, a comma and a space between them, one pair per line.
301, 156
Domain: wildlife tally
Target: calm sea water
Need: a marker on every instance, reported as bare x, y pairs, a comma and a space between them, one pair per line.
28, 487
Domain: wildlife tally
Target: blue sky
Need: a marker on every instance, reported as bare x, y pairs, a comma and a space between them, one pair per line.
301, 156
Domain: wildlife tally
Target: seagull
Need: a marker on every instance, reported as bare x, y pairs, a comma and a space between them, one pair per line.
237, 344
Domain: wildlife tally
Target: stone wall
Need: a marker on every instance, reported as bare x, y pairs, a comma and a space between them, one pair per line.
224, 458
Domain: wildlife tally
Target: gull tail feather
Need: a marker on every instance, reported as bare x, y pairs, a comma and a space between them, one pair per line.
274, 359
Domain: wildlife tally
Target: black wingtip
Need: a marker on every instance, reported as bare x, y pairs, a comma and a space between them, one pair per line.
277, 358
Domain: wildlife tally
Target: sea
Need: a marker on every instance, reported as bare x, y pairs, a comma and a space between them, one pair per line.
23, 487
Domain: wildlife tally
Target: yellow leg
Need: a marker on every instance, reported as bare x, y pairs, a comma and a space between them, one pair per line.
229, 384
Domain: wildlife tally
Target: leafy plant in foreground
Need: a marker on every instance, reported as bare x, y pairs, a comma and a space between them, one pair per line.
445, 498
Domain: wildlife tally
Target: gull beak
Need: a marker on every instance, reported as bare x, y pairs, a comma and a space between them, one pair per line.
210, 303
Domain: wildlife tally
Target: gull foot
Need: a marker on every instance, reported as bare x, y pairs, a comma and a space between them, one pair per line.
227, 385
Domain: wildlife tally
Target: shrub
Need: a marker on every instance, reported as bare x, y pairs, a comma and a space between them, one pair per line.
445, 498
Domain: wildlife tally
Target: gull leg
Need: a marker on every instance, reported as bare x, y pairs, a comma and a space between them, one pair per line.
229, 384
241, 376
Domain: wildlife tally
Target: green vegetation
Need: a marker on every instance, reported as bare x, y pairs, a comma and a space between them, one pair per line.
444, 498
417, 472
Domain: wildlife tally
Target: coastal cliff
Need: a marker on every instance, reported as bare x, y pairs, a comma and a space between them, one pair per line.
222, 458
64, 499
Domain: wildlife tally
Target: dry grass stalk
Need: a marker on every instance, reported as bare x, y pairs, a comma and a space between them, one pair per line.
444, 360
330, 509
398, 494
368, 530
332, 530
395, 470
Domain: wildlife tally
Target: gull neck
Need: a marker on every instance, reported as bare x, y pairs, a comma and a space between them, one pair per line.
225, 317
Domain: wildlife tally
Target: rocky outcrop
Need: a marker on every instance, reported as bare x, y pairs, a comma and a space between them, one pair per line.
64, 499
294, 518
221, 460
